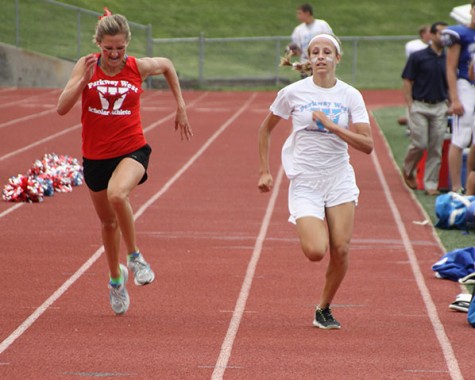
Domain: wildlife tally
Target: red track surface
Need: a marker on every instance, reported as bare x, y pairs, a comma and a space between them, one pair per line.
199, 228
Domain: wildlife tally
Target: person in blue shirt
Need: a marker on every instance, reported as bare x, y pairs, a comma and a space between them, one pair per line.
460, 42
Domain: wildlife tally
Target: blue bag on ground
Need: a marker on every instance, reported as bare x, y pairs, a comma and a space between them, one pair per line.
471, 310
451, 209
456, 264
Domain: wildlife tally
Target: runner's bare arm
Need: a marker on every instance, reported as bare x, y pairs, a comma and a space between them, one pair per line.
80, 76
453, 54
360, 139
163, 66
265, 177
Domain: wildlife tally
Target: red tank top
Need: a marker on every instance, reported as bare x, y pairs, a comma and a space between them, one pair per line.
111, 125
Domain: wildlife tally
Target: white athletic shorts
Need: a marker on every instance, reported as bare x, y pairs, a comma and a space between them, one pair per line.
311, 196
463, 126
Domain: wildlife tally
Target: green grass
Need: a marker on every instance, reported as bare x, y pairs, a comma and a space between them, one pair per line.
398, 142
223, 18
51, 30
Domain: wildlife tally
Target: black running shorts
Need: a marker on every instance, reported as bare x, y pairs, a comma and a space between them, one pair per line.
97, 173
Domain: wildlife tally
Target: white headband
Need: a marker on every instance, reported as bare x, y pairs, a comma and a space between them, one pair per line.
329, 37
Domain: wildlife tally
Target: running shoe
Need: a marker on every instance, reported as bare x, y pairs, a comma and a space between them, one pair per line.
143, 274
469, 282
118, 296
410, 180
460, 306
324, 319
468, 279
461, 303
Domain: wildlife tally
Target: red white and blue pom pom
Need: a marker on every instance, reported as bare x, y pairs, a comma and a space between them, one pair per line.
51, 174
23, 188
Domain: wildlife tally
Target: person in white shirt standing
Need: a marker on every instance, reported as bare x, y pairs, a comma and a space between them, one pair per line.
419, 43
305, 31
327, 116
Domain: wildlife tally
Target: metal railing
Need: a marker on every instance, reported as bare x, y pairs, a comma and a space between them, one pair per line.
372, 61
60, 29
65, 31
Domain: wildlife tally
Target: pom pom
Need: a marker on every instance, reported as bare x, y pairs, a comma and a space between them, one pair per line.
301, 67
50, 174
23, 188
293, 49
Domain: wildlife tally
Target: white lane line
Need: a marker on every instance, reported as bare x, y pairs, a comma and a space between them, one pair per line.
437, 325
70, 281
26, 118
227, 346
27, 323
27, 102
39, 142
11, 209
34, 115
64, 131
28, 99
142, 209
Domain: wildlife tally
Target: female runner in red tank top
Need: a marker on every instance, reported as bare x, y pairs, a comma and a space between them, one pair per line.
115, 153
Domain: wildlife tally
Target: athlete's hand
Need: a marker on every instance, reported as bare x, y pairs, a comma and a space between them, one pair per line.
456, 108
89, 62
181, 123
322, 118
266, 182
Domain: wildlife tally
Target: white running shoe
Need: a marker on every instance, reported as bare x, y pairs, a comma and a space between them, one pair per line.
468, 279
118, 296
143, 274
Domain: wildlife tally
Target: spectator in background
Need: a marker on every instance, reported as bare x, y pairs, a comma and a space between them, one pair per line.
470, 183
425, 92
413, 46
419, 43
460, 40
305, 31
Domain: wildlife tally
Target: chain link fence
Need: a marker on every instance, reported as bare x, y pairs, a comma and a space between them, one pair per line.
60, 30
368, 62
65, 31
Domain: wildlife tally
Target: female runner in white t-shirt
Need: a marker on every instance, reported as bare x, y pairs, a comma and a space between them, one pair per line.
327, 116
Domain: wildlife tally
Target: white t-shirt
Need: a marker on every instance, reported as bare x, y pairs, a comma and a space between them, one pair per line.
311, 150
413, 46
303, 33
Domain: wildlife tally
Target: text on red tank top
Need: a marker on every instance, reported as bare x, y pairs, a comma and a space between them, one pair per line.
111, 113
